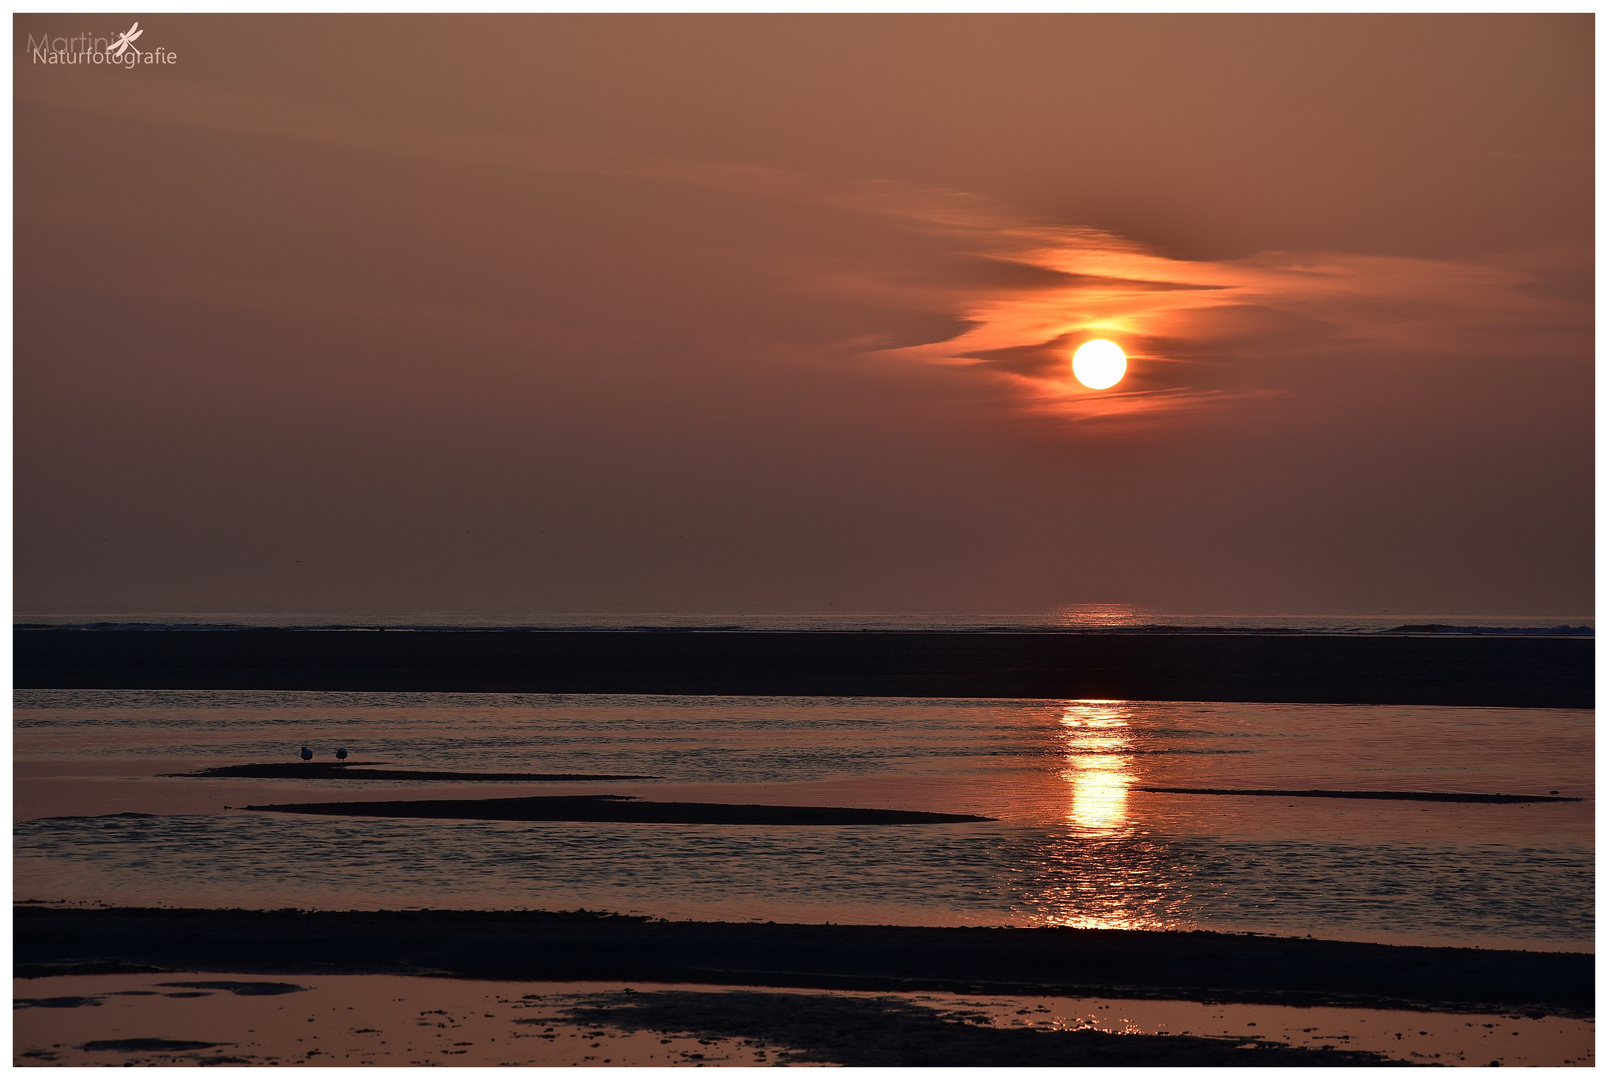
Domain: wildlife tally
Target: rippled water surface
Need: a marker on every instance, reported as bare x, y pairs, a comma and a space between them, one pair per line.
1074, 840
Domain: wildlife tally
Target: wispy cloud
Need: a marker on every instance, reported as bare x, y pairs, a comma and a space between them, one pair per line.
1175, 315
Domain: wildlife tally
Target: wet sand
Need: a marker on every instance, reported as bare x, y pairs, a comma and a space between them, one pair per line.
198, 1018
1518, 672
589, 946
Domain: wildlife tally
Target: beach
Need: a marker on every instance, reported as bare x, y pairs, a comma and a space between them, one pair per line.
581, 946
562, 984
207, 1019
717, 879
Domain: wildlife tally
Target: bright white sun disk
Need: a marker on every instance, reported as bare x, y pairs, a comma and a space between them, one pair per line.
1099, 364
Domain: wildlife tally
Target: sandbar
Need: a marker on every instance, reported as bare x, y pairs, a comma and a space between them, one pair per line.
621, 808
1515, 672
1408, 796
582, 946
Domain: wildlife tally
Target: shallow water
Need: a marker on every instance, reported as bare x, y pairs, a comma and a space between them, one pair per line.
1073, 843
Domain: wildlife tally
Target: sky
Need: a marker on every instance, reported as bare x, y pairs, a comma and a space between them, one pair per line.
765, 313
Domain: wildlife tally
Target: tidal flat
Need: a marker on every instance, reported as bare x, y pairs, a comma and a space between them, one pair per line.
998, 853
537, 945
192, 1018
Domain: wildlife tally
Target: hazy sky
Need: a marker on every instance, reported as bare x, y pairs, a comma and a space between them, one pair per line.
761, 313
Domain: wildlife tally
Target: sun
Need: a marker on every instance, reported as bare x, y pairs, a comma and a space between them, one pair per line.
1099, 364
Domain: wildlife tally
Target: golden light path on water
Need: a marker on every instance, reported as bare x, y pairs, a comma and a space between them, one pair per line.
1098, 768
1122, 886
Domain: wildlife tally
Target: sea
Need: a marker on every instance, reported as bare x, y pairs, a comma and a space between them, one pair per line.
104, 815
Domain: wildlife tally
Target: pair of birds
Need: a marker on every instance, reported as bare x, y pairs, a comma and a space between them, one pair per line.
307, 755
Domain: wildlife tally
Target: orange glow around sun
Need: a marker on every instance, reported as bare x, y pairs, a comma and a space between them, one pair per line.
1170, 313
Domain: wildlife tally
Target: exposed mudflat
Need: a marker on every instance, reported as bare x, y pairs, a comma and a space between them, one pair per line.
535, 945
1511, 671
1397, 796
403, 1020
620, 808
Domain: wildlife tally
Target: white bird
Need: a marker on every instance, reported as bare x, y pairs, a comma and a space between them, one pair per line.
306, 754
340, 755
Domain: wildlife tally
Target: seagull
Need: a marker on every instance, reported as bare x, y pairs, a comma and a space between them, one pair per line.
307, 755
340, 755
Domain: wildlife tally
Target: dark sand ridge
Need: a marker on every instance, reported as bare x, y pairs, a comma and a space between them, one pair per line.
891, 1032
583, 946
628, 808
1515, 672
797, 1028
197, 988
1402, 796
347, 770
624, 808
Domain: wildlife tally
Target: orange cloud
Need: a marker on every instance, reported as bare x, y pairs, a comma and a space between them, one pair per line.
1169, 314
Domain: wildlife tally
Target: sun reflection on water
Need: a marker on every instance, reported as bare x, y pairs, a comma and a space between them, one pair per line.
1099, 765
1111, 875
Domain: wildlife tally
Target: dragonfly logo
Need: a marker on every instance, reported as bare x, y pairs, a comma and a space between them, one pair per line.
97, 50
125, 40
